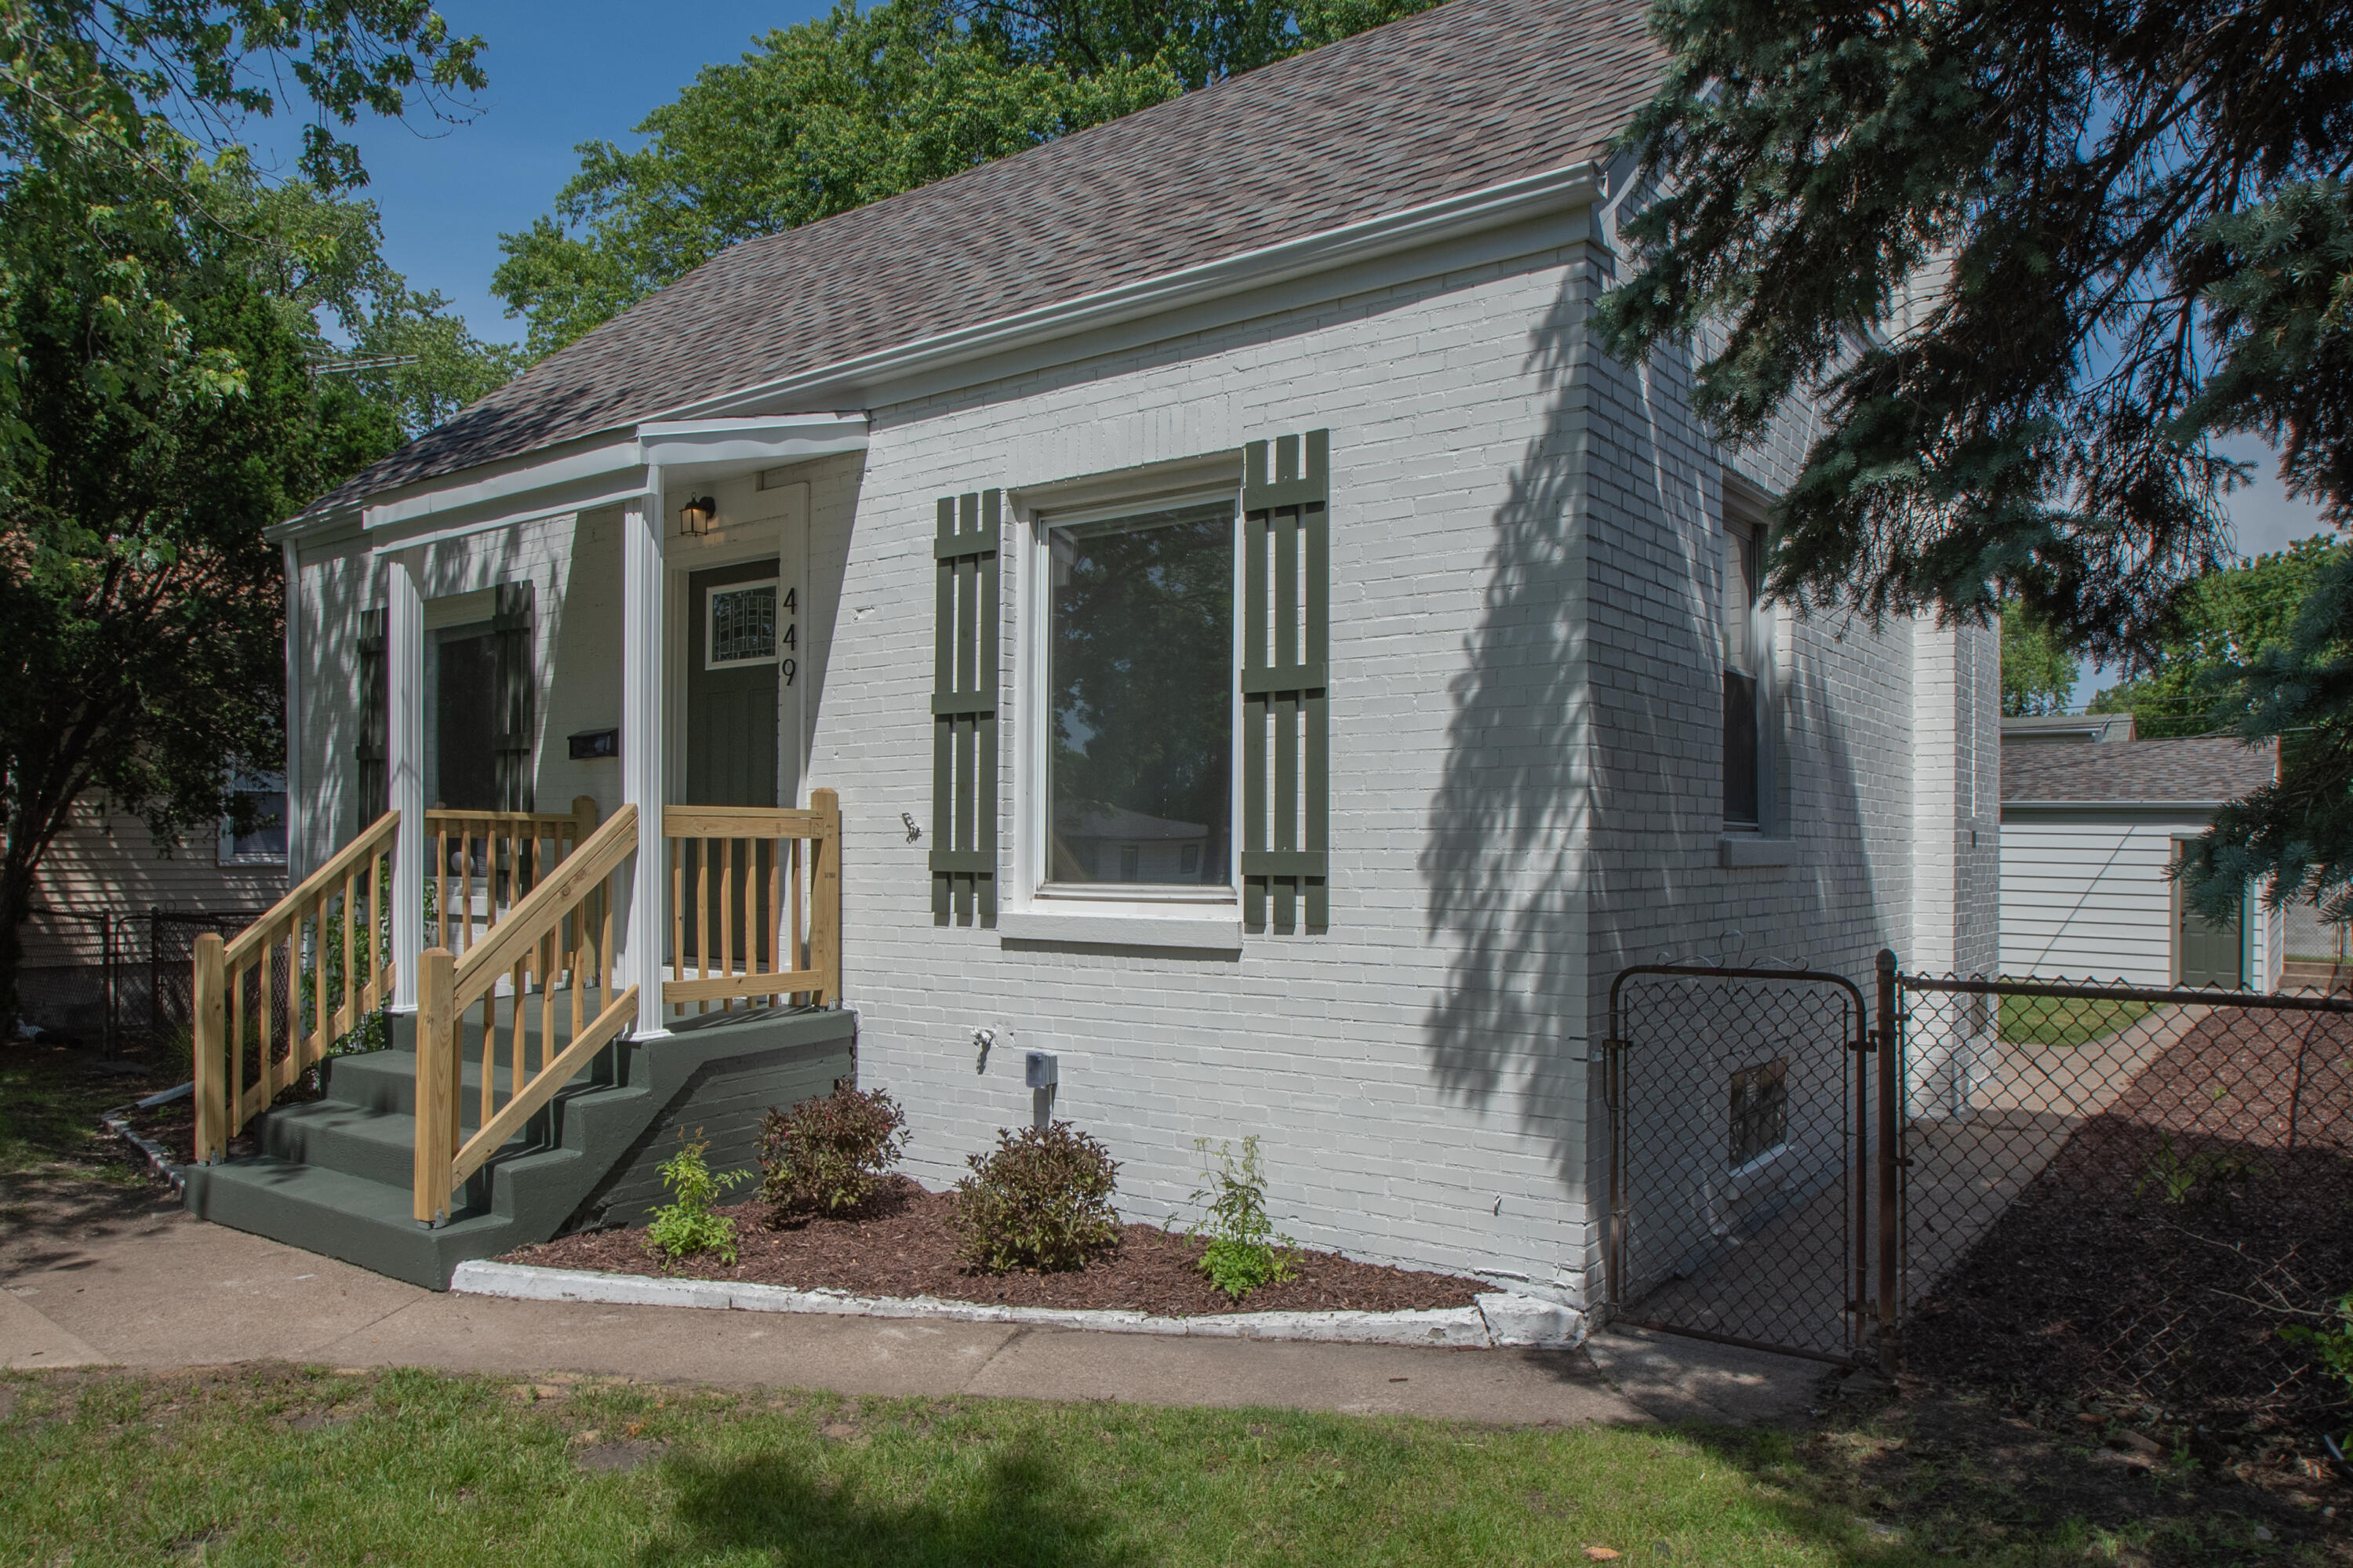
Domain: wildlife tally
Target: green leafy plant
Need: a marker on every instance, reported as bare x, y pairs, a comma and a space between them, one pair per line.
828, 1154
1243, 1251
687, 1224
1041, 1200
2332, 1343
2176, 1178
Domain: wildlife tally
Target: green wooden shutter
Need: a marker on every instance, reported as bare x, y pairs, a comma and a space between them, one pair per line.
1286, 683
373, 751
511, 762
964, 712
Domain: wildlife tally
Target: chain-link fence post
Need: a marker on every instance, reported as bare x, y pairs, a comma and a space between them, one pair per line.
1890, 1169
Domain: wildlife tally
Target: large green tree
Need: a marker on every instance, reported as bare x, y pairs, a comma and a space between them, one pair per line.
857, 105
2038, 673
2030, 261
2225, 621
163, 331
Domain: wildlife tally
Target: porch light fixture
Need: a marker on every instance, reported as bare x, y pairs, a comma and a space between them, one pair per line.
695, 517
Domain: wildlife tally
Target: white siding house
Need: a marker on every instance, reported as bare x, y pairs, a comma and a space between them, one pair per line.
2089, 832
1422, 614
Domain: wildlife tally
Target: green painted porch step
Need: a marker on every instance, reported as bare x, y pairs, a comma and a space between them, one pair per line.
334, 1175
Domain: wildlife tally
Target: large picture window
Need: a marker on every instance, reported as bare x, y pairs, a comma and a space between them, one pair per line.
1140, 699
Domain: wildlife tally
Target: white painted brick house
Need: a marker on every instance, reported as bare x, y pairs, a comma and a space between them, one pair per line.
1385, 252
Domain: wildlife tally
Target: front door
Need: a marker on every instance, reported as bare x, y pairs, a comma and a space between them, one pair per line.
735, 619
2205, 953
737, 622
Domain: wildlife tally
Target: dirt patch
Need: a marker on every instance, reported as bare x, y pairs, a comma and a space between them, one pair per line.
2143, 1274
902, 1245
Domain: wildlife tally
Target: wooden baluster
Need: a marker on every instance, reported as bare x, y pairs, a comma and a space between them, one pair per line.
438, 1050
775, 942
793, 931
702, 915
677, 914
441, 887
316, 1051
465, 887
268, 1009
726, 914
236, 1052
824, 898
210, 1027
347, 1016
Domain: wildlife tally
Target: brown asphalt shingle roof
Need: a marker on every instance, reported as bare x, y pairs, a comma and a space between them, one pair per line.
2209, 768
1459, 98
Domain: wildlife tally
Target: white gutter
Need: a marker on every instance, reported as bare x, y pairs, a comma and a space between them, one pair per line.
1557, 190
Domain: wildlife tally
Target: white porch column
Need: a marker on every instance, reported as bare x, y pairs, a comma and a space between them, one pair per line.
404, 676
643, 596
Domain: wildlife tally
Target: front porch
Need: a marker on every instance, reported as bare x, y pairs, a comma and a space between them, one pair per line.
533, 1087
507, 1008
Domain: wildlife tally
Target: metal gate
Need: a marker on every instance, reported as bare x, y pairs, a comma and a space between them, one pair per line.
1741, 1170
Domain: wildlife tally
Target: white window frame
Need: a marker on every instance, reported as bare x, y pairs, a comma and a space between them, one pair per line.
225, 851
1032, 752
776, 654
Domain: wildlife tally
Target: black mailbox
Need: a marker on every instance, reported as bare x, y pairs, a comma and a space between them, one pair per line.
594, 743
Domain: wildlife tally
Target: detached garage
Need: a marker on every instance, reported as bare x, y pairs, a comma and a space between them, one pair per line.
2088, 830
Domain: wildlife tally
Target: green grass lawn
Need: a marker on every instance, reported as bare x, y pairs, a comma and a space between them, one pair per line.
280, 1465
2065, 1021
50, 1098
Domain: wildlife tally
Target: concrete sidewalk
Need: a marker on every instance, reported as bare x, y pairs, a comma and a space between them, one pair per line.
130, 1280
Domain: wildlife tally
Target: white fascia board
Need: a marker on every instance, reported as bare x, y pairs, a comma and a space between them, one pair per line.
611, 472
1517, 201
504, 484
688, 445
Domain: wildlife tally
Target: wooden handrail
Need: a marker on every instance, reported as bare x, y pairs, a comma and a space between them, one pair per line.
518, 849
342, 908
340, 864
544, 905
755, 894
556, 938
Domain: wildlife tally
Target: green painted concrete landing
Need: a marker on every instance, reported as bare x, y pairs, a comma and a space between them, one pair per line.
333, 1175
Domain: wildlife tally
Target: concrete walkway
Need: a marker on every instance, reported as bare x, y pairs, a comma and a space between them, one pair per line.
127, 1279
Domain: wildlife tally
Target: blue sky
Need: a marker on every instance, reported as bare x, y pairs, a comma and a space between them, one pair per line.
559, 75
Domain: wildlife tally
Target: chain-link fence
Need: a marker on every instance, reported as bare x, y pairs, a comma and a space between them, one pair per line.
2123, 1195
171, 962
1735, 1108
86, 980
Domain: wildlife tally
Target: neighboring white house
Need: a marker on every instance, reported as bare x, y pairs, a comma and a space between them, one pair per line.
1268, 658
2088, 834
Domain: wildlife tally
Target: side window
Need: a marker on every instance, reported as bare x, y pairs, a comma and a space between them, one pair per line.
264, 844
1742, 665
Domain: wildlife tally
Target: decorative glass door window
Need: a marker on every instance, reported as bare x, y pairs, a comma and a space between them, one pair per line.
1140, 699
749, 623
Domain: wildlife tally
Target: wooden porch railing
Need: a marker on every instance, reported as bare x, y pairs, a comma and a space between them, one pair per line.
755, 904
485, 863
285, 989
553, 949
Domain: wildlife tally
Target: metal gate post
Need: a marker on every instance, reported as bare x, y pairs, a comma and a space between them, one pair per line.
1891, 1217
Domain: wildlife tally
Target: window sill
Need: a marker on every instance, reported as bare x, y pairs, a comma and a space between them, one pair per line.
1219, 932
1752, 849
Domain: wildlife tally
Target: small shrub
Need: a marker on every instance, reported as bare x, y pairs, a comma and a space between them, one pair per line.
1244, 1252
686, 1225
2175, 1179
1040, 1199
828, 1155
2332, 1343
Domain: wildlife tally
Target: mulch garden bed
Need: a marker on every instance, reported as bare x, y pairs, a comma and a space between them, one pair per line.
903, 1246
2098, 1291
